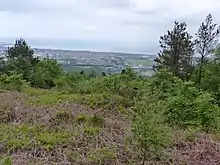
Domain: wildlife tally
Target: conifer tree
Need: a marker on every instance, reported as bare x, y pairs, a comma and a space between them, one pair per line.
206, 42
177, 51
20, 58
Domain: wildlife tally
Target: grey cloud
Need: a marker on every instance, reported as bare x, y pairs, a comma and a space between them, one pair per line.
33, 6
57, 6
133, 25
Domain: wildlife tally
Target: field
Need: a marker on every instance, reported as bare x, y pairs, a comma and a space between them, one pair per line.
137, 62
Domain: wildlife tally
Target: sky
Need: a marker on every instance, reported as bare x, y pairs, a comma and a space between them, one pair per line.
100, 25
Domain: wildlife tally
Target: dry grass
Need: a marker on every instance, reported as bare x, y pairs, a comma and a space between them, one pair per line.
201, 151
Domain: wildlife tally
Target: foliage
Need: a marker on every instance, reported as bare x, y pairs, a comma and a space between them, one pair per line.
68, 81
21, 137
96, 120
148, 127
177, 51
191, 108
102, 155
45, 74
81, 118
2, 65
12, 81
164, 83
91, 131
206, 40
20, 58
211, 76
6, 161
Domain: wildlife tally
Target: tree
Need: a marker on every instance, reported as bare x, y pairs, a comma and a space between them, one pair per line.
103, 74
91, 74
45, 73
217, 54
211, 76
20, 58
206, 40
2, 64
177, 51
148, 127
82, 72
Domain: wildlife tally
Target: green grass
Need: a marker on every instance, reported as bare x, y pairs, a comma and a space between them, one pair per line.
102, 100
143, 62
81, 118
15, 137
101, 155
5, 161
91, 130
96, 121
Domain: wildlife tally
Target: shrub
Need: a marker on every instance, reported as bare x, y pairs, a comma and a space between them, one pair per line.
148, 128
26, 137
12, 81
96, 120
165, 82
45, 74
102, 155
5, 161
81, 118
91, 131
192, 108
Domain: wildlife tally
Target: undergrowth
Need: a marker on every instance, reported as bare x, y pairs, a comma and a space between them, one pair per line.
117, 118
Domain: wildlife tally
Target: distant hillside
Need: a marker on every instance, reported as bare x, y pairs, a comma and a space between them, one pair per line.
109, 62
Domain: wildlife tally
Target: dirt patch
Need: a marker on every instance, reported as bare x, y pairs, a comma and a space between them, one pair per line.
202, 151
39, 157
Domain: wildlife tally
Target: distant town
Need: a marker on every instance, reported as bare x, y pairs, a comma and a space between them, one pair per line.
108, 62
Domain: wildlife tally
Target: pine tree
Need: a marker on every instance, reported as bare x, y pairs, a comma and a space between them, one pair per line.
206, 42
1, 64
177, 51
20, 58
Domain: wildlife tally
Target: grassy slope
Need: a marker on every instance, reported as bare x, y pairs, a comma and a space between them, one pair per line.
55, 130
49, 127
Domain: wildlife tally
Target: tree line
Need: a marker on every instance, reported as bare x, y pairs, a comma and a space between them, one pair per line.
184, 55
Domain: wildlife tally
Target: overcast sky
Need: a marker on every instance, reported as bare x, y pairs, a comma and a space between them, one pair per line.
102, 25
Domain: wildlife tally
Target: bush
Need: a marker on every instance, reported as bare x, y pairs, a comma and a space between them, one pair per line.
102, 155
192, 108
96, 121
45, 74
5, 161
81, 118
164, 82
149, 129
12, 81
